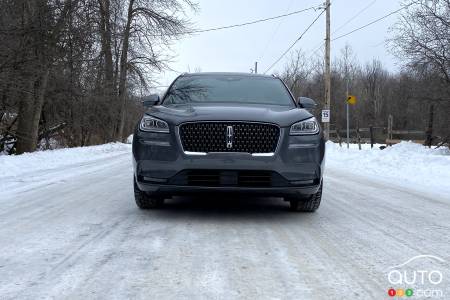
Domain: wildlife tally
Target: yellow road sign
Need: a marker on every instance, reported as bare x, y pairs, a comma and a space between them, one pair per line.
351, 100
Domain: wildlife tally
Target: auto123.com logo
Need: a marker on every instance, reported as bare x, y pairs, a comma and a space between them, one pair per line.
421, 276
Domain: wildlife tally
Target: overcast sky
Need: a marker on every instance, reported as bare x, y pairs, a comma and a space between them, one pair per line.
237, 49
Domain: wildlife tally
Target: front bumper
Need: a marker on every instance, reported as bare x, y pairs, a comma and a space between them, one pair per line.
158, 158
162, 189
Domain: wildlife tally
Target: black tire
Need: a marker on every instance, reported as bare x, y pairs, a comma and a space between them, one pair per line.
145, 201
310, 204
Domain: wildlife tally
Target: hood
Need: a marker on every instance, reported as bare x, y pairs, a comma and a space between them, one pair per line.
282, 115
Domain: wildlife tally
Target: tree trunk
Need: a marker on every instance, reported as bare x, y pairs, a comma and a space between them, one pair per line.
105, 32
123, 73
109, 88
30, 113
30, 107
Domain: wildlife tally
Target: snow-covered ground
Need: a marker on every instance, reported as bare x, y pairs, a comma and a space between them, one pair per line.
69, 229
22, 172
407, 164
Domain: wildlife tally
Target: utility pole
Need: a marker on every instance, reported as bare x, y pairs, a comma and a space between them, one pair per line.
256, 67
327, 70
346, 97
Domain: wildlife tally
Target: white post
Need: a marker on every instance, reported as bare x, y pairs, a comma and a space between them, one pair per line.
346, 92
348, 128
327, 78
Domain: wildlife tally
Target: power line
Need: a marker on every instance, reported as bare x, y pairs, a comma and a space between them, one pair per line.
373, 22
252, 22
364, 26
274, 32
296, 41
159, 86
354, 16
246, 23
317, 47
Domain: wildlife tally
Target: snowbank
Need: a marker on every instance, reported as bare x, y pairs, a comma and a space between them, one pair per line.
130, 139
33, 167
411, 165
407, 164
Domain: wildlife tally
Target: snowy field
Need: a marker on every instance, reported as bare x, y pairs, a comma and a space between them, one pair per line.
69, 229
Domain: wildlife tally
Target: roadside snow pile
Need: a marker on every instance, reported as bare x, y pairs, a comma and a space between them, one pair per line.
407, 164
130, 139
34, 167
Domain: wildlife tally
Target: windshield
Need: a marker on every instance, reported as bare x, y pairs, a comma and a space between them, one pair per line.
228, 89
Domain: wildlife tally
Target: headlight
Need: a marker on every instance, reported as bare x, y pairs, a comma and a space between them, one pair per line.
309, 126
153, 125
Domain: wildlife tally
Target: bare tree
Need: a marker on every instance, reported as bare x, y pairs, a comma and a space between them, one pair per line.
422, 40
373, 79
80, 63
45, 26
148, 23
422, 36
297, 70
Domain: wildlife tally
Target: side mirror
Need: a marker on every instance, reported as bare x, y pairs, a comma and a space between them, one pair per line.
307, 103
151, 100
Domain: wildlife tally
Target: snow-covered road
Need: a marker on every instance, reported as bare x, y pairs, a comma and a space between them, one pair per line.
81, 236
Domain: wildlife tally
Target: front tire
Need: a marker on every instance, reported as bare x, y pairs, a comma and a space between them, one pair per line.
145, 201
310, 204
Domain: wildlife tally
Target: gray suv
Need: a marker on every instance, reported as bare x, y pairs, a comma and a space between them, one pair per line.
228, 133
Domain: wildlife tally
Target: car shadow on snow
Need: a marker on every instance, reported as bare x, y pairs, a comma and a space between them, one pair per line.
228, 207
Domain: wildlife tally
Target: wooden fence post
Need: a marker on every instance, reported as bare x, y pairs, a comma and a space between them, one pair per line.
389, 129
358, 136
371, 136
429, 131
339, 137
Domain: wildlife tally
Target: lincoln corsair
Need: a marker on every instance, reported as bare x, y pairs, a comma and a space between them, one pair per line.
228, 133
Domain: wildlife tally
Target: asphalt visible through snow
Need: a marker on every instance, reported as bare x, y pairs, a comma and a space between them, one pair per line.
82, 237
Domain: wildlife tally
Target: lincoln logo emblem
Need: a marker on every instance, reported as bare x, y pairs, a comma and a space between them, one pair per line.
229, 137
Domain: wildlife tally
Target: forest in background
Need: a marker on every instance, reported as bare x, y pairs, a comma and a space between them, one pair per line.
407, 95
420, 39
77, 67
72, 72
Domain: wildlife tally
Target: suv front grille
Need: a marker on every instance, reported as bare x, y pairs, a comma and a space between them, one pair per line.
229, 137
229, 178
